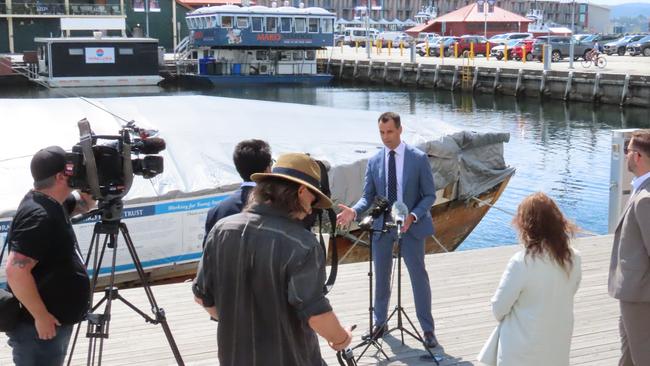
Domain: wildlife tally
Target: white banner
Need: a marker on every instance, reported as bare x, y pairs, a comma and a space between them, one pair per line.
100, 55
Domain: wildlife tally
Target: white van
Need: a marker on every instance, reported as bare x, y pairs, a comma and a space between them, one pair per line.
353, 35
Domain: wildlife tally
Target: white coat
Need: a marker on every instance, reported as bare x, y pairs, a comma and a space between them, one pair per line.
534, 307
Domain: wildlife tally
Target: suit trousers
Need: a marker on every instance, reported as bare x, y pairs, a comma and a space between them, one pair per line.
634, 326
413, 254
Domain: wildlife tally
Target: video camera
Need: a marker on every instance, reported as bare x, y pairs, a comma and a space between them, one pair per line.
106, 170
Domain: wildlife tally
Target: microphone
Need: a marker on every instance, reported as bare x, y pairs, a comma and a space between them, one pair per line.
380, 205
151, 145
399, 211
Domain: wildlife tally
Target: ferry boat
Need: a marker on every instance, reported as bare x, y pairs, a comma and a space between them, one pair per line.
230, 45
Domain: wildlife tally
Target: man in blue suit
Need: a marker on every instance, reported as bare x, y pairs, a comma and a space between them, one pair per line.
400, 173
250, 156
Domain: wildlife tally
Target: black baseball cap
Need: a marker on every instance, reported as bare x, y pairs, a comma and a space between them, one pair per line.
47, 162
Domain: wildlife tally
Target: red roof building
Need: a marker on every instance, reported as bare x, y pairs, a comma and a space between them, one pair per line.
468, 20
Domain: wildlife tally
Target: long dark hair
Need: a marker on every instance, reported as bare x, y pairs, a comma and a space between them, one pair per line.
280, 193
543, 229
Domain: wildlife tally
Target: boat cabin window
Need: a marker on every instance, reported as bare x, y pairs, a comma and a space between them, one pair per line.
262, 55
215, 20
209, 23
298, 55
125, 51
75, 51
242, 22
285, 25
189, 23
204, 22
326, 25
301, 25
271, 24
257, 24
285, 56
313, 25
310, 55
226, 21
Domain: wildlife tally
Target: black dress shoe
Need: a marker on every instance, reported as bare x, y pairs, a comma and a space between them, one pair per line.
430, 340
377, 332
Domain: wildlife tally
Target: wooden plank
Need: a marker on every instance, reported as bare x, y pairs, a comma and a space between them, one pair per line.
462, 285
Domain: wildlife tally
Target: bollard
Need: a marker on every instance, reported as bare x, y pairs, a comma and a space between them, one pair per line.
442, 50
487, 51
471, 50
390, 45
426, 48
356, 46
401, 48
505, 52
523, 54
456, 50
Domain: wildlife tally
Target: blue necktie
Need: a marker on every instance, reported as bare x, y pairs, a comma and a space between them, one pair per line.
392, 178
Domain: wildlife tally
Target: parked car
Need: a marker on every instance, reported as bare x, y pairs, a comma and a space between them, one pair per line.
640, 47
447, 44
395, 38
560, 47
517, 52
619, 46
420, 48
353, 35
499, 51
480, 44
504, 38
422, 36
600, 38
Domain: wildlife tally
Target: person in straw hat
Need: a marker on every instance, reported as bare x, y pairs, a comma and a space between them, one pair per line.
262, 273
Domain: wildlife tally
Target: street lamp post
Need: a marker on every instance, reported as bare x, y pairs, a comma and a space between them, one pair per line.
573, 32
368, 40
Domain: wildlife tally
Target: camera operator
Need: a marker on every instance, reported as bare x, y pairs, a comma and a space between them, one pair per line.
45, 269
262, 274
250, 157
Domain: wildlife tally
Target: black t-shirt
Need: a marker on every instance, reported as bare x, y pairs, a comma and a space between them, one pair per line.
41, 230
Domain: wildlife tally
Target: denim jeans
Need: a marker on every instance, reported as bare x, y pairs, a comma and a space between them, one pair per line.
29, 350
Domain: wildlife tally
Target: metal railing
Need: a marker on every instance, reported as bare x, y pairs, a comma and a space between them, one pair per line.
215, 67
37, 8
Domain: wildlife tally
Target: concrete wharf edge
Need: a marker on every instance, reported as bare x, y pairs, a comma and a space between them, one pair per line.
462, 285
623, 84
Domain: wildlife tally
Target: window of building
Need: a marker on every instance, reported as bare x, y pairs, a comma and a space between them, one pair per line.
271, 24
285, 25
226, 21
242, 22
313, 25
256, 24
582, 18
301, 25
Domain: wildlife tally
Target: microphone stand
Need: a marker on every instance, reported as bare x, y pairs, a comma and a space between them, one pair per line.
399, 310
366, 224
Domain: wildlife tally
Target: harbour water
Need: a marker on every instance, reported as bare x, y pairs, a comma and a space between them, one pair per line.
561, 149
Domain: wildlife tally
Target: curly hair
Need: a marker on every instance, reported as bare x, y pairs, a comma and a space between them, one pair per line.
543, 229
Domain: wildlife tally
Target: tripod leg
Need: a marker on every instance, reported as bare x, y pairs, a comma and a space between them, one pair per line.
159, 313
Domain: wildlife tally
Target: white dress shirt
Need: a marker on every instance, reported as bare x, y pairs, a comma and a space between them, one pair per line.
638, 181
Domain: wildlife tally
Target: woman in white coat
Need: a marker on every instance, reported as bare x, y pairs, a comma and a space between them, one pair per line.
534, 301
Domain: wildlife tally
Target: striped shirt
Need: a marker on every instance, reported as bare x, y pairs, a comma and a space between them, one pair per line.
264, 273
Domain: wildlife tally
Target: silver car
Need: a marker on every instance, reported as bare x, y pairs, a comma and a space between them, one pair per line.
618, 46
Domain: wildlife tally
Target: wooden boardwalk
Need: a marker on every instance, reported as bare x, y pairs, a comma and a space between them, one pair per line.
462, 284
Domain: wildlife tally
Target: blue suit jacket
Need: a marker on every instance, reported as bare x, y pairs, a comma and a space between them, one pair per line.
418, 189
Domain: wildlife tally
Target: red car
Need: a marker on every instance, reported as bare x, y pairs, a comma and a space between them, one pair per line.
480, 45
517, 51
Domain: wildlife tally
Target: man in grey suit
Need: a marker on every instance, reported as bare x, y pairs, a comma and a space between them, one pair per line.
400, 173
629, 273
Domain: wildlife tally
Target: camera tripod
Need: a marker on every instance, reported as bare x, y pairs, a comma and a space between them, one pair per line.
99, 323
399, 310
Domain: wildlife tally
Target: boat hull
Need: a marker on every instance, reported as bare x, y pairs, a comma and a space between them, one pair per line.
230, 80
453, 221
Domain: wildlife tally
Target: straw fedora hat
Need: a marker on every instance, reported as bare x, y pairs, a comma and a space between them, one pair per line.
299, 168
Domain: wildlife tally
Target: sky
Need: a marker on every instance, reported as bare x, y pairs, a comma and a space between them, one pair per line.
618, 2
